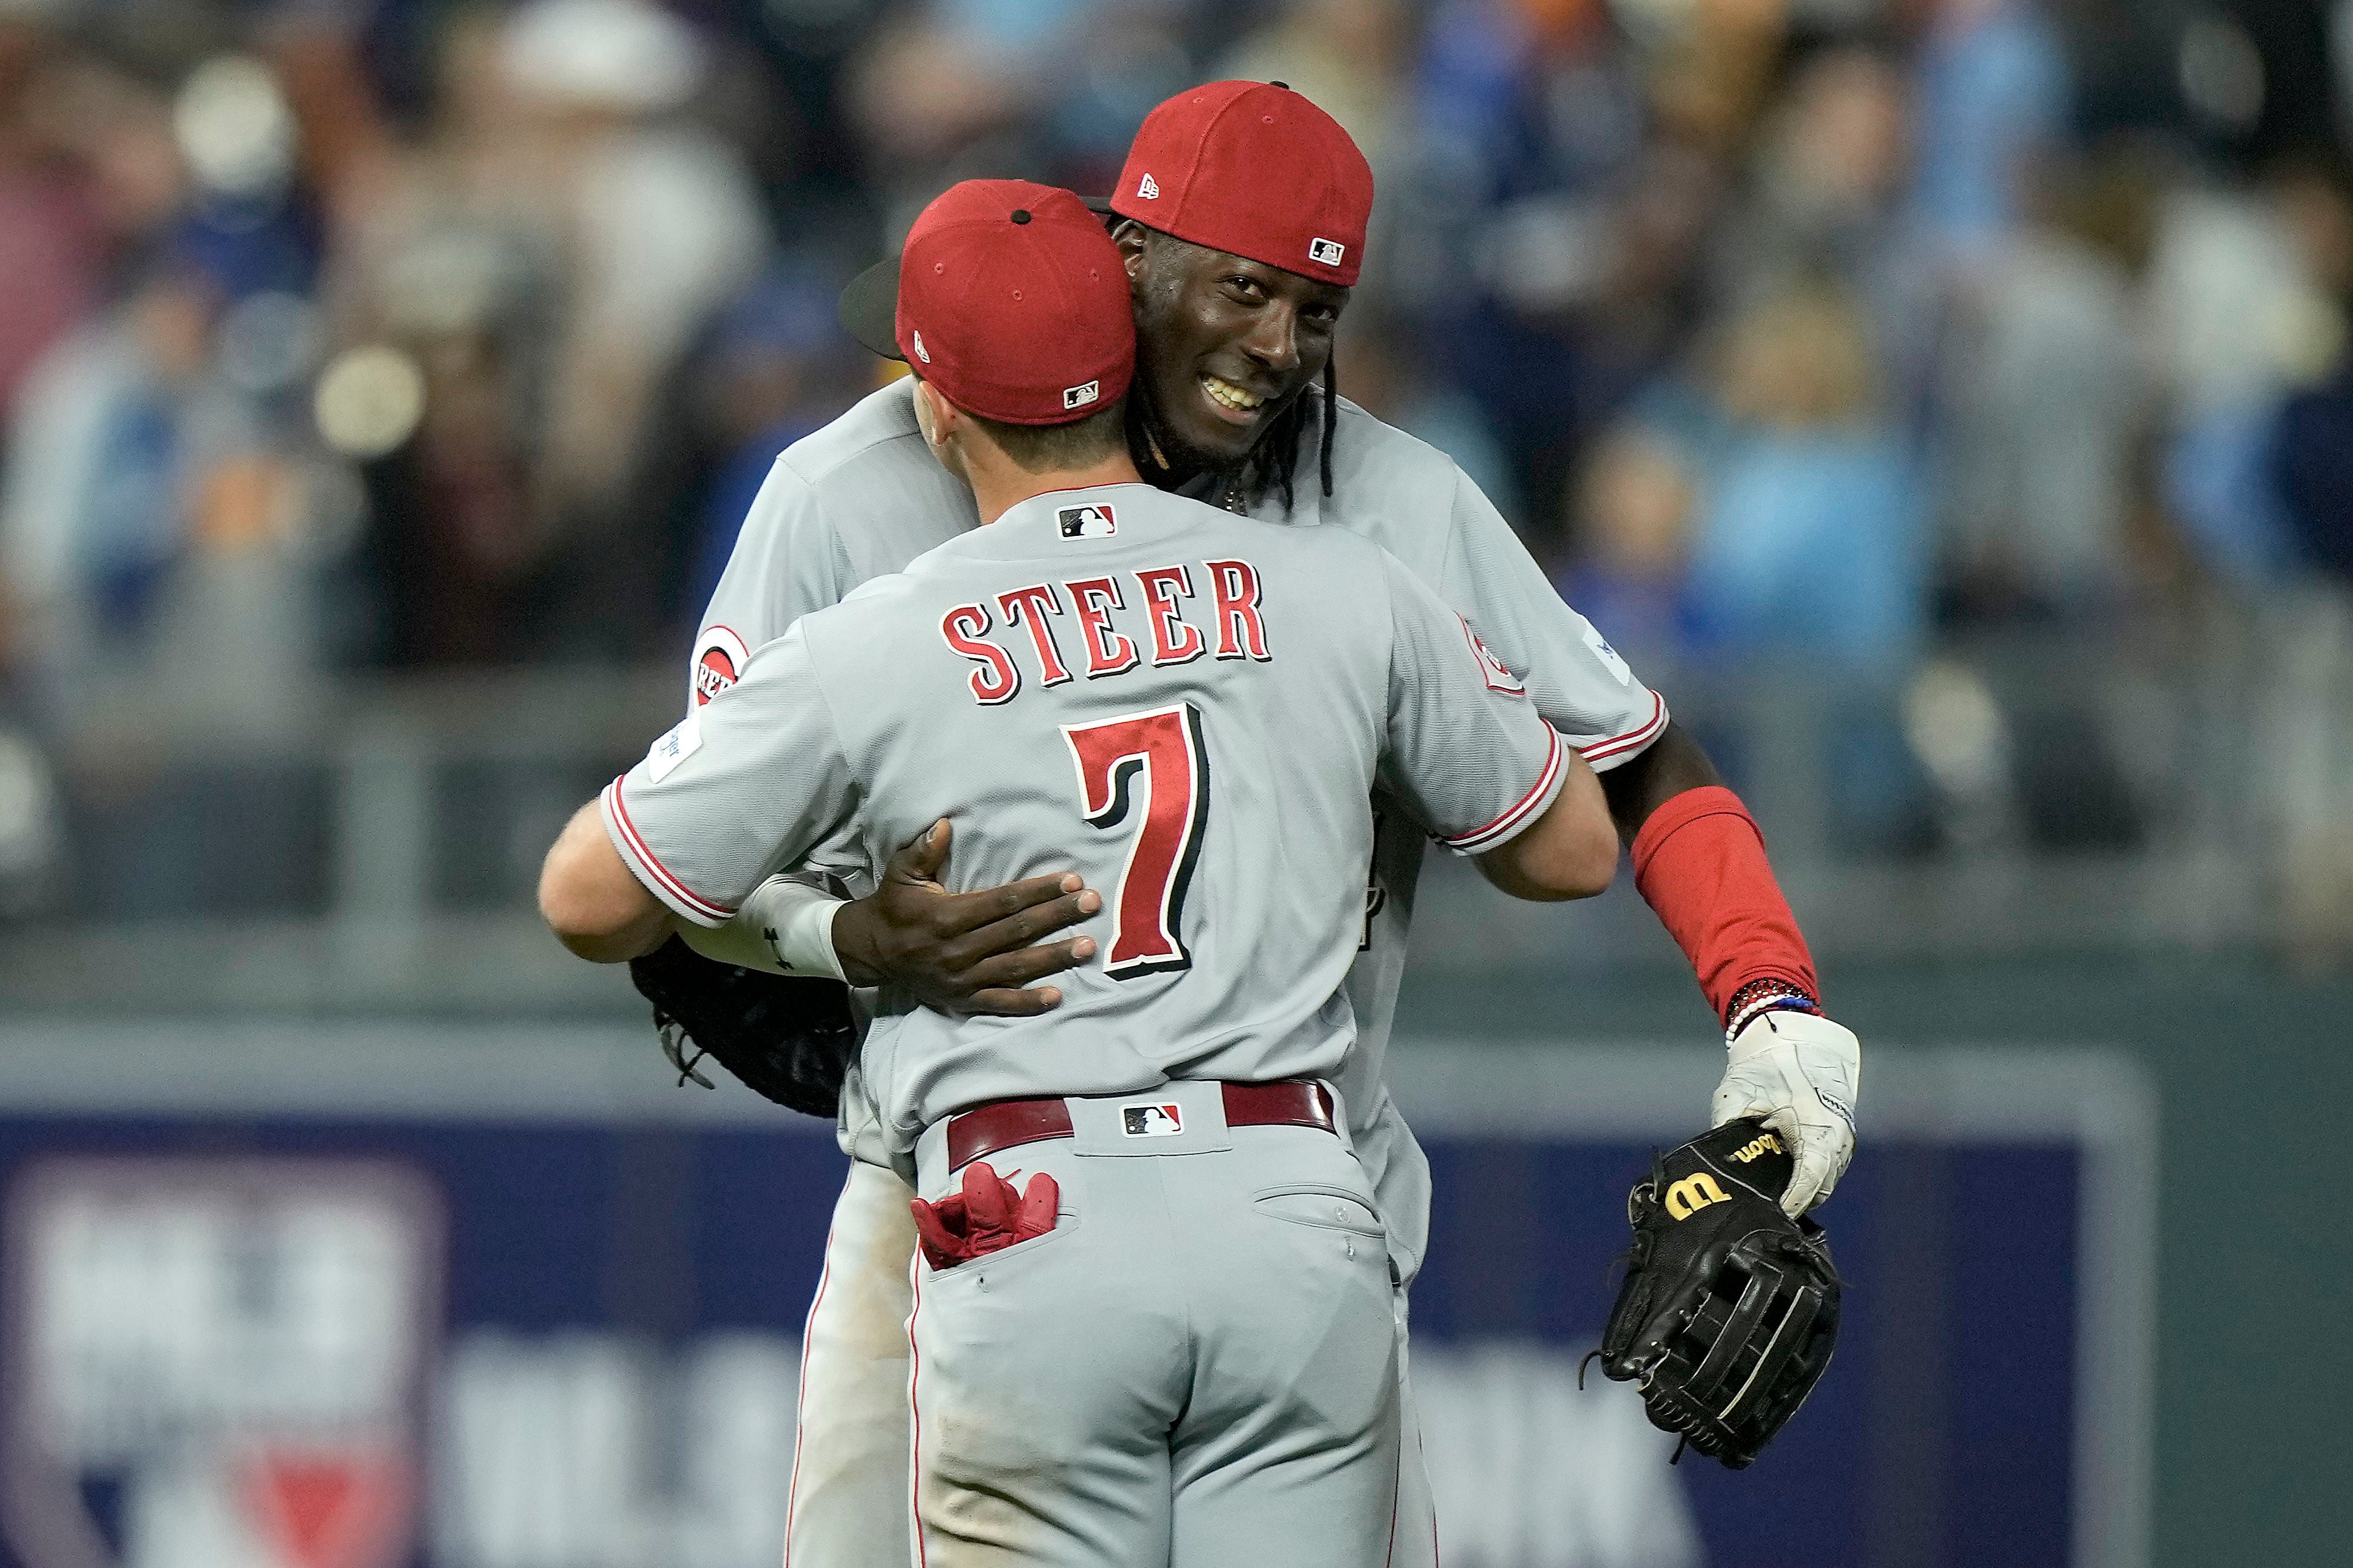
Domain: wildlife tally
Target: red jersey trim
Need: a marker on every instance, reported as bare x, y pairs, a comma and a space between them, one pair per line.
650, 869
1539, 794
1633, 739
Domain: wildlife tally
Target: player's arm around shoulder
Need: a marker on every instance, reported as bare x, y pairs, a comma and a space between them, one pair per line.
752, 780
1486, 774
1569, 852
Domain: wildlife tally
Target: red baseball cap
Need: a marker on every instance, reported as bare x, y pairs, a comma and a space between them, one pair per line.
1253, 169
1009, 297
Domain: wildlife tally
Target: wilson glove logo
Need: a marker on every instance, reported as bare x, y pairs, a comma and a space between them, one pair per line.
1763, 1143
1692, 1193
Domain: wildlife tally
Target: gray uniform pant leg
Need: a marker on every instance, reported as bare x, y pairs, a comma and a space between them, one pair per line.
1288, 1451
847, 1499
1195, 1367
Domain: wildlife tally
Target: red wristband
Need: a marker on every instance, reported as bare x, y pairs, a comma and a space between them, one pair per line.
1700, 862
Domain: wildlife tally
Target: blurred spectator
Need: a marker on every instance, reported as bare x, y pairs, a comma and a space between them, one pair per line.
1994, 95
771, 368
1810, 539
2047, 393
1382, 368
51, 233
1832, 156
658, 221
2313, 451
1775, 513
2241, 316
153, 528
1630, 518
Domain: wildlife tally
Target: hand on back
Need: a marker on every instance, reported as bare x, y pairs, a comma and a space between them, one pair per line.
963, 953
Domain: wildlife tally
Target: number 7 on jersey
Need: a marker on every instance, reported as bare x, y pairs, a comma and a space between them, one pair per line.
1152, 767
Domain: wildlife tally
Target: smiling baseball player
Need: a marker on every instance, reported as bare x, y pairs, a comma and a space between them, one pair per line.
1178, 1345
1240, 219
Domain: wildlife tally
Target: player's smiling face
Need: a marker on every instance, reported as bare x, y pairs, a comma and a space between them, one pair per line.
1223, 344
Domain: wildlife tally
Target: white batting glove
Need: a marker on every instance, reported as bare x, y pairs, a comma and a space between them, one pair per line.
1798, 1073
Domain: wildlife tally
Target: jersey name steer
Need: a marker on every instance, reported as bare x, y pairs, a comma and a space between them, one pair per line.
1237, 629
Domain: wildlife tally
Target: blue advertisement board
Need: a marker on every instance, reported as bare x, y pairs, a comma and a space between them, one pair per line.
455, 1299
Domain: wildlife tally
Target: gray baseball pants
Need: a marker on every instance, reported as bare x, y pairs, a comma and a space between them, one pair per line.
1195, 1367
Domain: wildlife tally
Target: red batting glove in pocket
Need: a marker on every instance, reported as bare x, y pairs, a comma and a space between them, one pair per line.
988, 1215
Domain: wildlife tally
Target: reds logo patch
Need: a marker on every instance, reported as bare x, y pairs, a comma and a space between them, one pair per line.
1498, 674
718, 661
1093, 521
1151, 1120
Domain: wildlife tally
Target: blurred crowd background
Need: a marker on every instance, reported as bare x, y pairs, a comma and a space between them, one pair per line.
1946, 403
1962, 383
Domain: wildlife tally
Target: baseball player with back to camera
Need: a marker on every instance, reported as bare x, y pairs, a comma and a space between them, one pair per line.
1177, 1345
1240, 218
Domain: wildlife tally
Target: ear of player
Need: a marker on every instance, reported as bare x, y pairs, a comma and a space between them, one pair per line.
1729, 1309
987, 1214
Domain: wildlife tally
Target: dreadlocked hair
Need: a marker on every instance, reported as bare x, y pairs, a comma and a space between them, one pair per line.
1275, 460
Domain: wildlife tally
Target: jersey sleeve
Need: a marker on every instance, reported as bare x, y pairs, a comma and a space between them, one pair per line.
746, 785
1578, 682
786, 564
1466, 751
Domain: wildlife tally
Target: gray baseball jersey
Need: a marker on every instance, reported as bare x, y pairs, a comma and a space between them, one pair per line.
1190, 709
864, 496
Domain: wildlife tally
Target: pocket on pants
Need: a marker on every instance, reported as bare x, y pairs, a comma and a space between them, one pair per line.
1007, 1259
1322, 1205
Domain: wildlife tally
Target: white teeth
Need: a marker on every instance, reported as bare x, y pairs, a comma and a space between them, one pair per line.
1228, 395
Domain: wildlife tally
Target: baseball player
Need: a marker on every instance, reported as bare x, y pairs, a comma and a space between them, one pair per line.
1240, 218
1182, 1348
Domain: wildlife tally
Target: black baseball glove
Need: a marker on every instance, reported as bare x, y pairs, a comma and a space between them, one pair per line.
1730, 1308
787, 1037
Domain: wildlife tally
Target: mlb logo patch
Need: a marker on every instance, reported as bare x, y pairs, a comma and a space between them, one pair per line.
1325, 252
1151, 1120
1080, 396
682, 741
1087, 521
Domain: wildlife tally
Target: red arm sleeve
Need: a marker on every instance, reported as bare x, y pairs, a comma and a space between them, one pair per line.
1700, 863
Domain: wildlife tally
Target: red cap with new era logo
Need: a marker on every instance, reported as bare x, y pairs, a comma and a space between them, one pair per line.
1253, 169
1013, 303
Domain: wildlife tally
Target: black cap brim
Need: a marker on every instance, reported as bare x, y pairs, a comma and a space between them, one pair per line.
870, 309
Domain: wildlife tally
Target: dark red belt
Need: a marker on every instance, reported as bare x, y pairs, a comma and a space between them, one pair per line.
1006, 1123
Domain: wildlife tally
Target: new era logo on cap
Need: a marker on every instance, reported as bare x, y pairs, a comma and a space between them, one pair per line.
1325, 252
1087, 521
1151, 1120
920, 352
1148, 190
1080, 396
